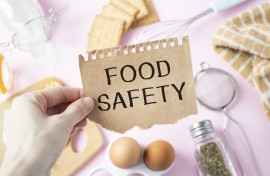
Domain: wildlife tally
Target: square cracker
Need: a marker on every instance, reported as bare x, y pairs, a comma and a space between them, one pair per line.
152, 17
126, 7
110, 10
105, 33
141, 6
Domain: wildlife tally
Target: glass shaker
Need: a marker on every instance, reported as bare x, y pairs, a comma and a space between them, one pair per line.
210, 153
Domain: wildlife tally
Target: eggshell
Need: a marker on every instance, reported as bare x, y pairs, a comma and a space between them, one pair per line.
125, 152
159, 155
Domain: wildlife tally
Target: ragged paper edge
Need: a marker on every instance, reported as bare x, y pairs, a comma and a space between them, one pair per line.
132, 49
148, 46
146, 127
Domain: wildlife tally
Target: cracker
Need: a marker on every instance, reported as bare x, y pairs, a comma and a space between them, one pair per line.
141, 6
105, 32
48, 83
110, 10
126, 7
152, 17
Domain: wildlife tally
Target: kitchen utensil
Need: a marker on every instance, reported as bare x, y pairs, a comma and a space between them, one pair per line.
35, 32
69, 161
211, 155
216, 90
177, 28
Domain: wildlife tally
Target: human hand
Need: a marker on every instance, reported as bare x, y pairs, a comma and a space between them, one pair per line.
39, 128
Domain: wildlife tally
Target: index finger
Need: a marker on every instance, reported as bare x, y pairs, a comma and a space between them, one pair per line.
58, 95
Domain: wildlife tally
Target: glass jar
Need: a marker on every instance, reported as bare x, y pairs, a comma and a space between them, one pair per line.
210, 153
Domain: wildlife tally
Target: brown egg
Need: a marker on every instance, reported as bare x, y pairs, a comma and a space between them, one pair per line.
125, 152
159, 155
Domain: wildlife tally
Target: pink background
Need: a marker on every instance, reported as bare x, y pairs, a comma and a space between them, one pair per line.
71, 39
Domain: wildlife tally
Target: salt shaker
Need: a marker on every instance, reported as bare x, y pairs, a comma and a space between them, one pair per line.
210, 152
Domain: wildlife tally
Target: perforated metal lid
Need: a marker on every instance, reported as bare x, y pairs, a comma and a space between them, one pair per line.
201, 128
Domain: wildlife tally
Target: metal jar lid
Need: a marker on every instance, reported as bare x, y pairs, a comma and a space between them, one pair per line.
201, 128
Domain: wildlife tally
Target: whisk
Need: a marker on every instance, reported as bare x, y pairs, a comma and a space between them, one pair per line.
177, 28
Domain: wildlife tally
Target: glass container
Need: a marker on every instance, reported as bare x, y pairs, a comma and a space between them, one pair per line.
210, 152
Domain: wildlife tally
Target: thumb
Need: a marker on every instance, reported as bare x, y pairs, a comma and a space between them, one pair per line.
78, 110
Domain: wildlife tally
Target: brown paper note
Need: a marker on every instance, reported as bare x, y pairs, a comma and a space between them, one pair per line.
140, 85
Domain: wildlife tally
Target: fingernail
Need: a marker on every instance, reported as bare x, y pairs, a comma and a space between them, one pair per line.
89, 102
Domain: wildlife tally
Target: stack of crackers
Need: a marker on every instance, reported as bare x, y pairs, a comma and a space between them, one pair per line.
117, 17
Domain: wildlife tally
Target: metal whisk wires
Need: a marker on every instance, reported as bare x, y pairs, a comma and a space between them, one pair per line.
168, 29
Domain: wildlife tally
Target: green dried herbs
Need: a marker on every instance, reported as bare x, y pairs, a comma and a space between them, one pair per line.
211, 161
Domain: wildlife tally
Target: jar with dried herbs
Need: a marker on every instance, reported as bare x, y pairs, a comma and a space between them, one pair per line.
210, 153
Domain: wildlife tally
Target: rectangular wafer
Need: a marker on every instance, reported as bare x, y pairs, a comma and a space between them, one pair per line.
105, 32
126, 7
141, 6
152, 17
113, 11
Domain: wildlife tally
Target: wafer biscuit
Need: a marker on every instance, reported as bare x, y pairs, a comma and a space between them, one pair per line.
105, 32
141, 6
152, 17
126, 7
48, 83
110, 10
